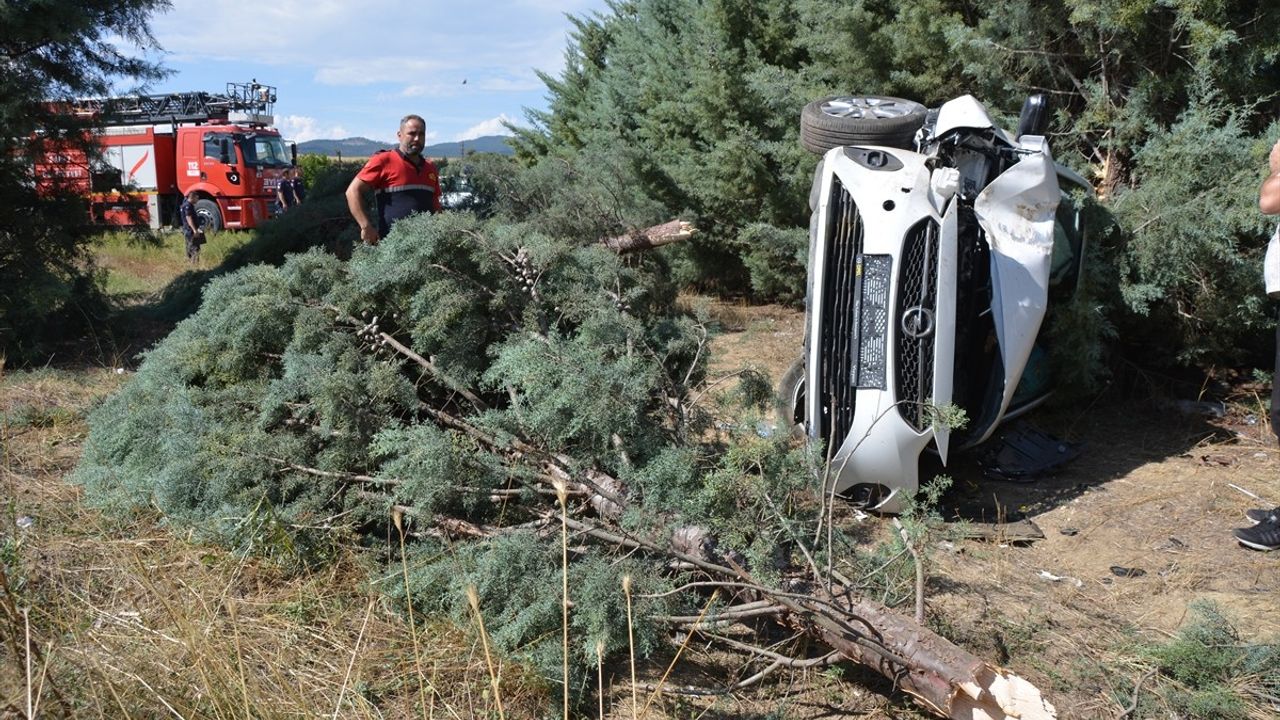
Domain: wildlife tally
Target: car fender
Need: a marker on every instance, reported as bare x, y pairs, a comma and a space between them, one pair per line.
1016, 211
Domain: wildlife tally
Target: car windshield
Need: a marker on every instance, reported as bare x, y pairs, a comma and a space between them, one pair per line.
265, 151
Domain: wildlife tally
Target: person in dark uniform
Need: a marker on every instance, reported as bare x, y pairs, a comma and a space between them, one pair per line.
291, 191
284, 192
298, 187
191, 226
403, 181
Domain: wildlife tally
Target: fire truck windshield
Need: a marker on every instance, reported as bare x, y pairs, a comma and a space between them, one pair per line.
265, 151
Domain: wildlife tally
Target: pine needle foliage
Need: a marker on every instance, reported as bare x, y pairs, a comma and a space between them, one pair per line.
1215, 672
447, 374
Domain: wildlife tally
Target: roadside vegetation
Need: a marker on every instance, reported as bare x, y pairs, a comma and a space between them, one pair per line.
347, 488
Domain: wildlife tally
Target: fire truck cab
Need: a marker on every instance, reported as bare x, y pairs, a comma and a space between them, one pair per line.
154, 149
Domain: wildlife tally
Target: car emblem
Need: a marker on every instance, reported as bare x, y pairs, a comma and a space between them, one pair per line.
917, 322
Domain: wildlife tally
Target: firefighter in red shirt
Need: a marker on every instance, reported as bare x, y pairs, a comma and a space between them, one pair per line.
403, 181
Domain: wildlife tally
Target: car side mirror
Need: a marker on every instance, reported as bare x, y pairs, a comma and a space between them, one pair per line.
1034, 119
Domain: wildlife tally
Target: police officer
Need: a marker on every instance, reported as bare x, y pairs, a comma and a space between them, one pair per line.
403, 181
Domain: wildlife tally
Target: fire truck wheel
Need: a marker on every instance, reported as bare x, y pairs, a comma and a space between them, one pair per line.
208, 216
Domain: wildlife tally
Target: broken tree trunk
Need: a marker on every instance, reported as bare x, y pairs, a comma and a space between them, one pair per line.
652, 237
943, 677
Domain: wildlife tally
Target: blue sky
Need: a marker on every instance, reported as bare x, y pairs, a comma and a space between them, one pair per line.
346, 69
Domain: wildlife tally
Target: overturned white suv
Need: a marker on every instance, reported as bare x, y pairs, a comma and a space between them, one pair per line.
937, 243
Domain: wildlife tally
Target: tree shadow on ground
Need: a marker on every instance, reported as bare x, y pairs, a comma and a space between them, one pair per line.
1115, 436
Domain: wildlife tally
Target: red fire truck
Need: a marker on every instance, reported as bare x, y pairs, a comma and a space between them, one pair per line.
156, 148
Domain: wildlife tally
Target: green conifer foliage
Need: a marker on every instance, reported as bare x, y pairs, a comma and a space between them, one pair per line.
453, 373
699, 102
52, 51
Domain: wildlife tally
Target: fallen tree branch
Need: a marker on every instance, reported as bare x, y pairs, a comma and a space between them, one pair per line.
1137, 688
388, 340
941, 676
651, 237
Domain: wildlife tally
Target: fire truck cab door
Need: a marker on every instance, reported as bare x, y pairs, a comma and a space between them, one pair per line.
219, 158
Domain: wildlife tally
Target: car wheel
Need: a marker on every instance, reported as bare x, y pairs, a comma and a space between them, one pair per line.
860, 120
208, 217
789, 406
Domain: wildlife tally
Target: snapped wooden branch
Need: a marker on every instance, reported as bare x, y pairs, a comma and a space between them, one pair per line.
943, 677
651, 237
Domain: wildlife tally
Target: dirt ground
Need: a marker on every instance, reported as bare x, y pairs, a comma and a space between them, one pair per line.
1154, 494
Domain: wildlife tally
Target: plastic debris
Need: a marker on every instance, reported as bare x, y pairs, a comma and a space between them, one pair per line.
1046, 575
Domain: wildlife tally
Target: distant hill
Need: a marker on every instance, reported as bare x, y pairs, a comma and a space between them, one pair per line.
364, 147
348, 147
487, 144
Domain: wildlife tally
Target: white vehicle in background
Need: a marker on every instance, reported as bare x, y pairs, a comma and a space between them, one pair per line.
937, 242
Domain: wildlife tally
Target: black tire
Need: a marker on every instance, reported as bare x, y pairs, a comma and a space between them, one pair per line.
860, 120
208, 217
789, 405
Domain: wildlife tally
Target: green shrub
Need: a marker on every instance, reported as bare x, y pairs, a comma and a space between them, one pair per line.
1216, 672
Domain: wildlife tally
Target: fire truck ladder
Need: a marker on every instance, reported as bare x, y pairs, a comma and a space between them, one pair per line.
250, 103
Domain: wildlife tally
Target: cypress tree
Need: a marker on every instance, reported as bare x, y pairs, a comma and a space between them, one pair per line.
52, 52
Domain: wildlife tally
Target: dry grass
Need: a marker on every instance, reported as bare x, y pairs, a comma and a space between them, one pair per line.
129, 620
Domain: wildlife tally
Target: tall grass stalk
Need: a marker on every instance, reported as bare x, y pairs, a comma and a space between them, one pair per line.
235, 636
355, 652
600, 676
473, 599
562, 496
111, 688
689, 636
631, 644
398, 519
26, 622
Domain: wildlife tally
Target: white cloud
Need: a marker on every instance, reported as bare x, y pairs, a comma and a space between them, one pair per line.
492, 126
430, 90
377, 70
300, 128
420, 38
251, 31
358, 66
478, 83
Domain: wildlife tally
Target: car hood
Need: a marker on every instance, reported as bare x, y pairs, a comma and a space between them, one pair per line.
1016, 212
